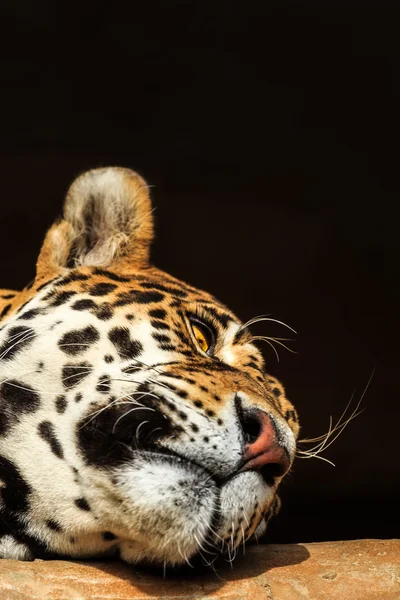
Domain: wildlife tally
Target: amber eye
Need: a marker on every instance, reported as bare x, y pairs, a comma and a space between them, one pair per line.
203, 336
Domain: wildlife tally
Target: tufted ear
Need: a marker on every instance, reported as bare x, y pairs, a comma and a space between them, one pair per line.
107, 220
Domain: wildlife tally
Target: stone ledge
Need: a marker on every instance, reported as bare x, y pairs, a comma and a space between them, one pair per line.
354, 570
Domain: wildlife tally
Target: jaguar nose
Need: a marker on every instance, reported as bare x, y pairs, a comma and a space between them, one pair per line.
262, 451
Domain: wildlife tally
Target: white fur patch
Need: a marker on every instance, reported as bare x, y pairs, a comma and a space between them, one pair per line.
11, 549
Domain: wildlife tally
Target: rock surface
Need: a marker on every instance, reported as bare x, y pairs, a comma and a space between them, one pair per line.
355, 570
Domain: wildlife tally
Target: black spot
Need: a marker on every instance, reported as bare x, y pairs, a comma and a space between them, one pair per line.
194, 427
108, 536
173, 376
84, 304
79, 340
210, 413
18, 339
72, 375
46, 432
203, 388
5, 310
15, 490
206, 438
221, 317
161, 338
62, 298
111, 275
174, 291
43, 285
101, 311
189, 353
102, 289
21, 308
167, 347
138, 297
16, 398
125, 345
7, 296
182, 335
108, 358
157, 313
78, 397
290, 415
252, 365
220, 366
82, 503
198, 403
61, 404
276, 391
104, 312
159, 324
31, 314
72, 277
219, 421
104, 384
53, 525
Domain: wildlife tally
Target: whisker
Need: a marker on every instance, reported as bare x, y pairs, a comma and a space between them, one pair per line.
27, 337
130, 411
185, 558
270, 344
304, 454
271, 339
137, 430
261, 318
334, 432
96, 413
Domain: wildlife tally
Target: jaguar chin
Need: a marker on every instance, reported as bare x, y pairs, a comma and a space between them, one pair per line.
136, 415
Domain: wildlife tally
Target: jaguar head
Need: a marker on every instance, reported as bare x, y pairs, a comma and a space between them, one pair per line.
136, 416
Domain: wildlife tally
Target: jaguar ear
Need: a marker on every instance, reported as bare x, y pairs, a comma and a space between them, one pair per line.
107, 220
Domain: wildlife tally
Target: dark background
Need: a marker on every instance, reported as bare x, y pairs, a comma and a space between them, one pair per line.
270, 132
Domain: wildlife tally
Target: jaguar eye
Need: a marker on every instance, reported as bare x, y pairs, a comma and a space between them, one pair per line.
203, 336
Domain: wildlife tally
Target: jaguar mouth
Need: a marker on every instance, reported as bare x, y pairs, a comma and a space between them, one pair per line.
269, 472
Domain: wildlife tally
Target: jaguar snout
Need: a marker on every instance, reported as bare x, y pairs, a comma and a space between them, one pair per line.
265, 451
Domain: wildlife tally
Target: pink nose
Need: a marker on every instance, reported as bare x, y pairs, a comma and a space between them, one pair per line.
262, 451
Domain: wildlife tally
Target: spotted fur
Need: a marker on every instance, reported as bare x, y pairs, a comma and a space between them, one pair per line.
118, 434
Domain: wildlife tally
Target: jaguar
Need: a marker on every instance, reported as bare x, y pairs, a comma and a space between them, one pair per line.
136, 415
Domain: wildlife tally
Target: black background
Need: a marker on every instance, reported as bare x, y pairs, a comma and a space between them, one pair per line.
270, 133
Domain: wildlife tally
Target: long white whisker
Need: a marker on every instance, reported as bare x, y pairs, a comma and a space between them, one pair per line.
130, 411
270, 344
333, 433
271, 339
137, 431
27, 337
265, 318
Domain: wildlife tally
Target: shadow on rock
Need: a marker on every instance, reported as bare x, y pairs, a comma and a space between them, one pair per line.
202, 579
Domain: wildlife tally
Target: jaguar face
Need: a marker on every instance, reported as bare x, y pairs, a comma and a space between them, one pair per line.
136, 416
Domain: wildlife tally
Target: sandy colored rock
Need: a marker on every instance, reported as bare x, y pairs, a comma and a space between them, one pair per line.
355, 570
